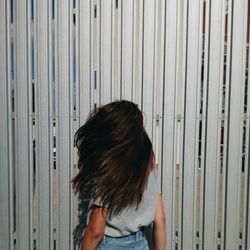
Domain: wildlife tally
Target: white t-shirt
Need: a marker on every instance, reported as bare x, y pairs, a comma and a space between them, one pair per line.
133, 218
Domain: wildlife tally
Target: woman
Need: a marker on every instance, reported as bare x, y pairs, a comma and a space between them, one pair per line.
117, 171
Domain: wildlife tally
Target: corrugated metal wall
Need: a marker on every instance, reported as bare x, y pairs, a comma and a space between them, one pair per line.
184, 62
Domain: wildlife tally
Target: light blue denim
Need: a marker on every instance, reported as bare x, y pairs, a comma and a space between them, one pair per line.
134, 241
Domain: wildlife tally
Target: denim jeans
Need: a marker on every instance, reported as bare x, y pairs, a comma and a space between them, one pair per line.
134, 241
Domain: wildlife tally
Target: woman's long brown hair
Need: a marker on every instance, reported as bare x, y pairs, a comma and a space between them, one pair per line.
115, 156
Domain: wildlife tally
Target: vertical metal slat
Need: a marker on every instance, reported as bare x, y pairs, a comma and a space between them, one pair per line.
63, 149
190, 143
168, 163
137, 51
179, 115
23, 194
4, 129
158, 80
227, 50
84, 59
43, 121
148, 64
116, 48
106, 48
51, 80
95, 52
244, 127
11, 147
213, 144
74, 109
201, 120
30, 31
127, 49
235, 127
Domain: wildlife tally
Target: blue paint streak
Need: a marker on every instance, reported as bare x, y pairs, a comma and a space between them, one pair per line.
12, 61
32, 59
11, 11
95, 79
32, 10
74, 60
53, 9
53, 59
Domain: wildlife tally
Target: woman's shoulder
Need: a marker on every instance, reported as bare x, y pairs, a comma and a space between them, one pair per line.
154, 182
155, 175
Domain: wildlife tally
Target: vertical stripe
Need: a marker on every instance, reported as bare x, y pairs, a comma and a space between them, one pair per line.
23, 189
214, 119
127, 49
137, 51
84, 58
4, 129
63, 149
235, 124
106, 35
158, 80
168, 163
116, 48
148, 64
191, 100
43, 121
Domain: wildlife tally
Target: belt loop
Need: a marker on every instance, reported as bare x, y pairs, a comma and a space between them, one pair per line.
137, 235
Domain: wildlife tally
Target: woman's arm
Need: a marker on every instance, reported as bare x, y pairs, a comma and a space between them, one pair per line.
159, 228
95, 228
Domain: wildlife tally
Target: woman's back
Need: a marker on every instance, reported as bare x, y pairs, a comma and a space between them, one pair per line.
131, 219
116, 162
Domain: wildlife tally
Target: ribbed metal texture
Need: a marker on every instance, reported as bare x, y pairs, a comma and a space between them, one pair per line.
185, 63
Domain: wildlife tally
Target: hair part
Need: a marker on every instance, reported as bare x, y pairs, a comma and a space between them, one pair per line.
115, 156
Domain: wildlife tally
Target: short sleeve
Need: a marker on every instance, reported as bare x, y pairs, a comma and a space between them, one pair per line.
96, 202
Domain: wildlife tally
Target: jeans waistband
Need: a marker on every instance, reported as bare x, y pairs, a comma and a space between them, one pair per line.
131, 237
